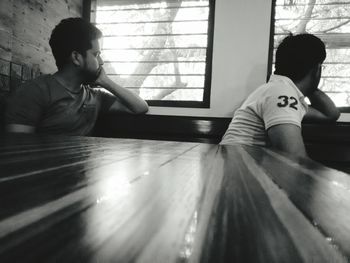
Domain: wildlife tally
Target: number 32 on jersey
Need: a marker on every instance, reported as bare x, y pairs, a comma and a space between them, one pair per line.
285, 101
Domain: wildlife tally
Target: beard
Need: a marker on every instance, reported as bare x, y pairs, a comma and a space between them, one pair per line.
90, 76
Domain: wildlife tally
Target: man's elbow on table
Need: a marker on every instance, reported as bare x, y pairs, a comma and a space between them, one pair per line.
334, 116
19, 128
141, 109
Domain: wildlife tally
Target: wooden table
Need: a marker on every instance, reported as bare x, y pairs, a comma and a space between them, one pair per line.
76, 199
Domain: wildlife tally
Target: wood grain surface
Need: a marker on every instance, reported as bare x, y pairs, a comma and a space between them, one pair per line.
86, 199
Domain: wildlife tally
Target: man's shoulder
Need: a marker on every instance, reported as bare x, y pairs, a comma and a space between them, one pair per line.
260, 94
41, 82
35, 89
281, 84
280, 89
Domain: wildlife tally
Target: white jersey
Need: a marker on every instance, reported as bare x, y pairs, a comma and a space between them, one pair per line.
277, 102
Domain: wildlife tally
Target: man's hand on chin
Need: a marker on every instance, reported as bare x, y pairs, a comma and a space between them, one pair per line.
102, 78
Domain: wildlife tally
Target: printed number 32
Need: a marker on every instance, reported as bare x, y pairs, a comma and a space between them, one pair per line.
285, 101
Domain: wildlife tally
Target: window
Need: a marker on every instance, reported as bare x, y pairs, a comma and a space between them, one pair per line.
330, 21
161, 49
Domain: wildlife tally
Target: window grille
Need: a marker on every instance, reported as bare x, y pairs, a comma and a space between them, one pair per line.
159, 49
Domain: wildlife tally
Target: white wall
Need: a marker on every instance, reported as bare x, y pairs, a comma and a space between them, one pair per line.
240, 54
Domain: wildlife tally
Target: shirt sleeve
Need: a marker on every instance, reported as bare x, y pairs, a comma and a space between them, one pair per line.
26, 106
282, 106
107, 99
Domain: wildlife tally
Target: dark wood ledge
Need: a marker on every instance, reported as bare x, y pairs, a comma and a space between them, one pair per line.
327, 143
155, 126
160, 127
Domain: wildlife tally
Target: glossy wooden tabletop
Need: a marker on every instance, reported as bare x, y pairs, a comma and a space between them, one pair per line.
80, 199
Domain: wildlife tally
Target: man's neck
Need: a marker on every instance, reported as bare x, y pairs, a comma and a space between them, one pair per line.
301, 86
304, 85
69, 79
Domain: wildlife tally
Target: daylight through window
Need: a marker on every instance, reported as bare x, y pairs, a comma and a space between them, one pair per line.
159, 49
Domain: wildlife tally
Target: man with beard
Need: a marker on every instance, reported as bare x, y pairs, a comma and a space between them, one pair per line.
68, 101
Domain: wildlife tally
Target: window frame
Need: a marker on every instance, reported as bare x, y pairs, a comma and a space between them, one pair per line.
205, 103
342, 109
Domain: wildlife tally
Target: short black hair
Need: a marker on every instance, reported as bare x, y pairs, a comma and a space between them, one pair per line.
298, 54
72, 34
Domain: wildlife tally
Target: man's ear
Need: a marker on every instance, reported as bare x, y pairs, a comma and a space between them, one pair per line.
77, 58
312, 73
316, 69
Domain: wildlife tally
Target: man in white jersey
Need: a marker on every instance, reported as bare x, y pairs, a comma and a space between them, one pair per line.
271, 116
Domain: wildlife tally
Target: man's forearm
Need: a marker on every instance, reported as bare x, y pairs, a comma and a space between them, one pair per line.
321, 102
130, 99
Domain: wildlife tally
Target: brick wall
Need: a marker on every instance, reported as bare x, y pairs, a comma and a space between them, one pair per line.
25, 29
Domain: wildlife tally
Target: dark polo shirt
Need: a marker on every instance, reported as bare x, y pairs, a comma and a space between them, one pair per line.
47, 105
